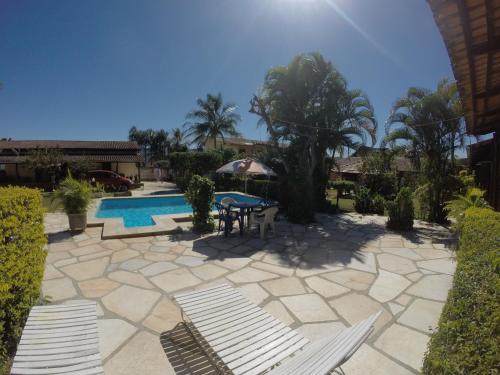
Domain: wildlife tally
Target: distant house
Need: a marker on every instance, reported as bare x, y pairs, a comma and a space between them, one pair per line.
117, 156
350, 168
244, 146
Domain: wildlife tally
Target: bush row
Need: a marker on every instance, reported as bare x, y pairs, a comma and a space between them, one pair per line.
22, 259
190, 163
467, 339
365, 202
269, 189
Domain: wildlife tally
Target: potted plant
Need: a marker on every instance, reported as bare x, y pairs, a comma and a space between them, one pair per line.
75, 197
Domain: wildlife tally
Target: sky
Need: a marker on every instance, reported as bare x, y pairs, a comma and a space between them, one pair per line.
89, 70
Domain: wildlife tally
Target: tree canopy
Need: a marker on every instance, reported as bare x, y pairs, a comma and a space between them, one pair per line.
212, 119
430, 126
308, 106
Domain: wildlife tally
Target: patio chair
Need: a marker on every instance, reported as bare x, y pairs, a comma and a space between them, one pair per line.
59, 339
264, 219
227, 217
240, 338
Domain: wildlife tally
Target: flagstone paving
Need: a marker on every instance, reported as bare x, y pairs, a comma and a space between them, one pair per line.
317, 278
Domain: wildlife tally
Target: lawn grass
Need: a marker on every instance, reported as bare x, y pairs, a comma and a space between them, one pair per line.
345, 204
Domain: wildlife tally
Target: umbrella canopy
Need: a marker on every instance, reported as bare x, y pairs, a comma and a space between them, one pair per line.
246, 167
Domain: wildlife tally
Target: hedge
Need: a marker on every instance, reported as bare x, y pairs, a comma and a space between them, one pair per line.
467, 340
199, 162
269, 189
22, 261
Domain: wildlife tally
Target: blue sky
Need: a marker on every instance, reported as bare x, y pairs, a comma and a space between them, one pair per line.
91, 69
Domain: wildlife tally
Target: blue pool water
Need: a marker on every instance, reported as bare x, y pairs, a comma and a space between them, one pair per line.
136, 212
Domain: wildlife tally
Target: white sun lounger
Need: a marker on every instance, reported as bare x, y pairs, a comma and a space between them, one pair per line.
240, 338
59, 339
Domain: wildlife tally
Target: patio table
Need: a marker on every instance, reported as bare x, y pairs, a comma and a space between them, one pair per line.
245, 209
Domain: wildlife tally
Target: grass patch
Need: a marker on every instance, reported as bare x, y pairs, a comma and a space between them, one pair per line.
345, 204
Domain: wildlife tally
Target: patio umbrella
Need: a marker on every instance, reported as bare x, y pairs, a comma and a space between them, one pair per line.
246, 167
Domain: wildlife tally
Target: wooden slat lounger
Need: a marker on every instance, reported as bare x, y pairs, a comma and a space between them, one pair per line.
240, 338
59, 339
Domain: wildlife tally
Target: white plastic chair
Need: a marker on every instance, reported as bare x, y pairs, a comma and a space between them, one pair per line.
264, 219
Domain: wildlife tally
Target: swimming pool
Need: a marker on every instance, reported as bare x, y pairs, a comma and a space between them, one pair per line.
137, 212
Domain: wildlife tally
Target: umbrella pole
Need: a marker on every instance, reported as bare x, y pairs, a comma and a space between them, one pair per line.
246, 179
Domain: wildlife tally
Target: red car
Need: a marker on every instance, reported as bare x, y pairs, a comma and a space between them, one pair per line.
110, 180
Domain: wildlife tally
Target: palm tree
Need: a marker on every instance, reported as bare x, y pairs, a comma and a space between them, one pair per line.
212, 119
159, 144
308, 106
429, 125
137, 135
153, 142
177, 141
177, 137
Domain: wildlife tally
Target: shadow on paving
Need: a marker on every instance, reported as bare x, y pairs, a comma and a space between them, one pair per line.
307, 247
184, 353
63, 236
335, 240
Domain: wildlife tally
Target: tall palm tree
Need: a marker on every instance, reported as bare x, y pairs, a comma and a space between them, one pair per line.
212, 119
135, 134
429, 125
159, 144
177, 141
307, 105
177, 136
153, 142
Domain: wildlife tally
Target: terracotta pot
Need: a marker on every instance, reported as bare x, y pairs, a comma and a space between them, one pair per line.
77, 222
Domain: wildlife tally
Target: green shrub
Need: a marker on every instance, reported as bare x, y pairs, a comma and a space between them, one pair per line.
226, 154
456, 208
80, 168
182, 182
75, 196
264, 189
200, 162
227, 182
342, 186
467, 339
22, 261
201, 194
465, 180
421, 195
269, 189
378, 204
363, 200
401, 211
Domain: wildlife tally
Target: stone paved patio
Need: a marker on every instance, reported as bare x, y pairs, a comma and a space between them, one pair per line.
317, 279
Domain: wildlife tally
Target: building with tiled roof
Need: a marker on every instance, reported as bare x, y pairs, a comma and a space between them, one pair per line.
123, 157
350, 168
239, 145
